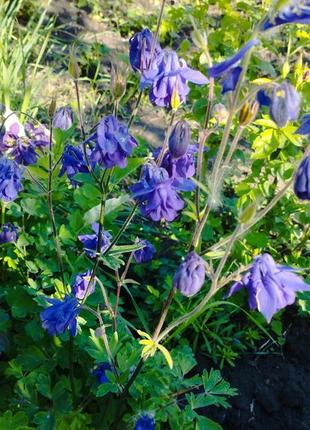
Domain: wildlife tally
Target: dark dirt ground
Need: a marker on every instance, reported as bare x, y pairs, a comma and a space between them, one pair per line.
274, 390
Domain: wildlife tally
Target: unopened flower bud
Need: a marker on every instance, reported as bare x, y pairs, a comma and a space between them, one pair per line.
118, 81
190, 275
73, 67
220, 113
248, 113
63, 118
248, 213
285, 104
200, 39
179, 139
52, 108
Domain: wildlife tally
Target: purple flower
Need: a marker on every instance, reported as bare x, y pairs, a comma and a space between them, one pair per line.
20, 148
297, 12
72, 163
285, 104
231, 79
171, 79
81, 283
100, 372
8, 233
145, 422
38, 134
221, 68
271, 287
179, 139
113, 143
10, 179
302, 180
62, 314
146, 253
263, 98
180, 170
157, 195
90, 241
304, 128
63, 118
190, 275
140, 46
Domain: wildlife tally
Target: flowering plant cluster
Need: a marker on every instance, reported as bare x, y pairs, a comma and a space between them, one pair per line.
83, 288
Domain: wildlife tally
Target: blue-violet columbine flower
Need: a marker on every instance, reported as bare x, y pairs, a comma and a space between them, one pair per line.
10, 179
304, 128
171, 80
271, 287
296, 12
8, 233
302, 180
263, 98
38, 134
63, 118
100, 372
81, 283
180, 170
144, 254
285, 104
157, 195
145, 422
179, 139
140, 47
113, 143
229, 69
90, 241
62, 314
190, 276
72, 163
15, 144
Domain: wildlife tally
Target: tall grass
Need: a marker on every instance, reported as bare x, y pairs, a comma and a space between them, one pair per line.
21, 50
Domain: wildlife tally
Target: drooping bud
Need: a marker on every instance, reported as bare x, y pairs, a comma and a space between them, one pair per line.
248, 113
285, 104
8, 233
190, 275
118, 81
63, 118
302, 180
144, 254
179, 139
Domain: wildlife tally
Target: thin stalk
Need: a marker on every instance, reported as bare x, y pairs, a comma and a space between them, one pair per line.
105, 297
2, 213
164, 313
135, 110
118, 292
233, 145
165, 144
78, 98
154, 41
72, 382
51, 209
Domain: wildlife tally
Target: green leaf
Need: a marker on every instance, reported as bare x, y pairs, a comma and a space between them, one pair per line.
111, 205
14, 422
119, 174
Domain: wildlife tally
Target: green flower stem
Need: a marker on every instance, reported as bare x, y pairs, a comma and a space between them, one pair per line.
165, 144
164, 313
2, 213
233, 145
51, 209
105, 297
222, 147
78, 99
135, 110
72, 382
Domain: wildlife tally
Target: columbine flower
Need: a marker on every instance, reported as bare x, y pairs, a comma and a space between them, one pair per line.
60, 316
113, 143
146, 253
81, 284
169, 87
285, 104
190, 275
271, 287
297, 12
304, 128
100, 372
16, 145
180, 170
231, 79
90, 241
179, 139
145, 422
10, 179
8, 233
72, 163
151, 346
228, 67
302, 180
140, 46
263, 98
157, 195
38, 134
63, 118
